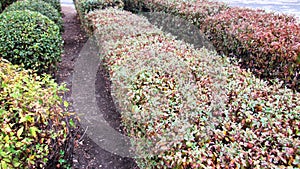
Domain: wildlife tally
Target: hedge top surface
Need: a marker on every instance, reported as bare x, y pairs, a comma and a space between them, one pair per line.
31, 118
267, 43
115, 24
55, 3
86, 6
31, 39
38, 6
257, 128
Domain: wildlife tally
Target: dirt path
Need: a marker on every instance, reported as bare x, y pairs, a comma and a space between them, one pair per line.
87, 154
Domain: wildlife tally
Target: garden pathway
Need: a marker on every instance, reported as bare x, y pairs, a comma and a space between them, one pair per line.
87, 154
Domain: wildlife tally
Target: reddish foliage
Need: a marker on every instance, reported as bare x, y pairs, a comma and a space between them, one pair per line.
267, 43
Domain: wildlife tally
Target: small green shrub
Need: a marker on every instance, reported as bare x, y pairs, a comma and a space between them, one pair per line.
257, 127
31, 39
83, 7
266, 43
33, 122
55, 3
38, 6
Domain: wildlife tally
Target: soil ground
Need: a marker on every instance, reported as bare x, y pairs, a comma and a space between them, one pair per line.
87, 154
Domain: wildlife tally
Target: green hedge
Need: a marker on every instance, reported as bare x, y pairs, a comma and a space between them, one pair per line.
31, 39
266, 43
83, 7
55, 3
166, 93
34, 126
38, 6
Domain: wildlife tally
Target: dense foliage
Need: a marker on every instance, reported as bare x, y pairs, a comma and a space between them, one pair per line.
85, 6
6, 3
166, 92
38, 6
33, 122
31, 39
55, 4
267, 43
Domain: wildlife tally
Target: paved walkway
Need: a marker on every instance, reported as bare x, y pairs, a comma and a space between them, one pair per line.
66, 2
281, 6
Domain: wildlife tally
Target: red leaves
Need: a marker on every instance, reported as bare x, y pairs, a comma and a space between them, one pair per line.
272, 40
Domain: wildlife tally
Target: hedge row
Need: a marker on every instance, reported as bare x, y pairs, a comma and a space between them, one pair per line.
34, 126
30, 38
83, 7
55, 3
166, 93
266, 43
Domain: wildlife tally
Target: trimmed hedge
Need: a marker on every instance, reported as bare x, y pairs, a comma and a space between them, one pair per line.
55, 4
268, 44
31, 39
119, 25
83, 7
195, 11
258, 127
34, 126
38, 6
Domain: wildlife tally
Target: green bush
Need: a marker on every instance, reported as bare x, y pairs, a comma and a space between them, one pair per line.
33, 123
83, 7
31, 39
55, 3
38, 6
266, 43
169, 107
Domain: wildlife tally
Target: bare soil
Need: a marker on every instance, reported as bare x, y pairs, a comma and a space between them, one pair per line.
87, 154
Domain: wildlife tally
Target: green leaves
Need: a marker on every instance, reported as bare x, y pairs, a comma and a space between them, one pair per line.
38, 6
21, 31
31, 118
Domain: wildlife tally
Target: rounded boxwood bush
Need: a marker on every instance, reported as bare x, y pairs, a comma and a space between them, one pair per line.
31, 39
38, 6
34, 126
55, 4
